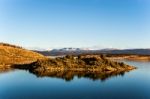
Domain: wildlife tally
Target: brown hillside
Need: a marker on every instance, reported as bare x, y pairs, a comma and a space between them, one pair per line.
11, 54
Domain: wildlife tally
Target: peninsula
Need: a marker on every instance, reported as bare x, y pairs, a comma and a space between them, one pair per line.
12, 56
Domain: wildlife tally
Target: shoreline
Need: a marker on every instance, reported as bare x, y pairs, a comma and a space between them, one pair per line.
130, 58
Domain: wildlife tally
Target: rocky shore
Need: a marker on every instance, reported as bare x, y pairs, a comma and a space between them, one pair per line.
90, 63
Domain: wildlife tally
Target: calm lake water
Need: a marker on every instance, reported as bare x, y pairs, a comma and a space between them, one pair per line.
20, 84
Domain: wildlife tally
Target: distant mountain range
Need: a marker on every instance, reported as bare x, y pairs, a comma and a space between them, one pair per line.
77, 51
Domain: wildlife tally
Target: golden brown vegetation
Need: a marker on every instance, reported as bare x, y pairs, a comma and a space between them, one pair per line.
91, 63
11, 54
129, 57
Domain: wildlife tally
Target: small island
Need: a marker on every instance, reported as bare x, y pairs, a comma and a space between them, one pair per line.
14, 57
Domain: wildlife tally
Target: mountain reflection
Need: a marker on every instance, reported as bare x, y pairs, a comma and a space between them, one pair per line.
69, 75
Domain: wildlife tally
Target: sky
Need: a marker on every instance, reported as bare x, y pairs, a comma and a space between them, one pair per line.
75, 23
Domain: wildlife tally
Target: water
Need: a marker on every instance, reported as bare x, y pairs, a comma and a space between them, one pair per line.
20, 84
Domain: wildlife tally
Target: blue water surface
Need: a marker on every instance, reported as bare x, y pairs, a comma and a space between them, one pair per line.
20, 84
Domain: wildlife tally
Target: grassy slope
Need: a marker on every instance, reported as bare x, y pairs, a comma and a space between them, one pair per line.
11, 54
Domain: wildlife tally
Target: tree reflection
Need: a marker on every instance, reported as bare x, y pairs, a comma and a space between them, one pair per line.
68, 75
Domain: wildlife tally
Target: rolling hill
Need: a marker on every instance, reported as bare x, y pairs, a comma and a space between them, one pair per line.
11, 54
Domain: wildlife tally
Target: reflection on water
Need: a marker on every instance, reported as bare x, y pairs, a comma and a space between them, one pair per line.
5, 70
69, 75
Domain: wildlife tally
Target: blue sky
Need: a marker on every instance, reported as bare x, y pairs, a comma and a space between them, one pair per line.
75, 23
